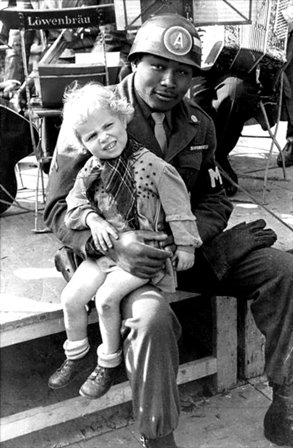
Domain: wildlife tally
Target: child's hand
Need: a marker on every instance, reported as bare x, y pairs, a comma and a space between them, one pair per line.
101, 231
185, 260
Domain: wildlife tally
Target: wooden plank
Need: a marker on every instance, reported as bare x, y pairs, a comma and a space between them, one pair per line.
39, 418
200, 368
251, 345
25, 321
36, 327
225, 341
43, 324
31, 331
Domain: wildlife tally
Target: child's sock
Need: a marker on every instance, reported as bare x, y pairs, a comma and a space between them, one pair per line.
76, 349
109, 361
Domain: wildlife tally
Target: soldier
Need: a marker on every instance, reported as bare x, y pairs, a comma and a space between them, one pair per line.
165, 55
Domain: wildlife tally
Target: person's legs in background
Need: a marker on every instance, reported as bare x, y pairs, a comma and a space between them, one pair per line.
230, 101
235, 103
50, 131
288, 148
287, 111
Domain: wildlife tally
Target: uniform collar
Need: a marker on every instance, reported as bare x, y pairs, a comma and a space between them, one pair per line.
183, 120
147, 111
185, 128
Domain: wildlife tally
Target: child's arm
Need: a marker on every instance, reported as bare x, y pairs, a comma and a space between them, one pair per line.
81, 214
184, 257
176, 205
101, 231
78, 204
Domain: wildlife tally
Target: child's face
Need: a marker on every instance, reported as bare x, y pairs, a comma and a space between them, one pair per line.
103, 134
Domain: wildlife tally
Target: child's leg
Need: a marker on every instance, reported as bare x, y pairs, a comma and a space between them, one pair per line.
76, 294
116, 286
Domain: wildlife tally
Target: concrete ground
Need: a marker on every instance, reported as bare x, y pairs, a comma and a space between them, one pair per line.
230, 420
275, 203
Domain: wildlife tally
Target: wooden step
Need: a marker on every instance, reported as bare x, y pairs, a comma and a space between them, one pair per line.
41, 417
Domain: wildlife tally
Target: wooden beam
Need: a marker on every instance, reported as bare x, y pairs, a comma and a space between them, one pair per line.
251, 344
34, 327
46, 323
225, 341
41, 417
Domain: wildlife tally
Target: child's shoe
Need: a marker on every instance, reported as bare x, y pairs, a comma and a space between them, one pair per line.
99, 382
69, 370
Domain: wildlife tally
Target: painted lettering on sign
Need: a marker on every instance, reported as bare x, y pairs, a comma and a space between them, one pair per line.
60, 22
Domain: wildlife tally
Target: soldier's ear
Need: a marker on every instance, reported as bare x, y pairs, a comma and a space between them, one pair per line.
133, 66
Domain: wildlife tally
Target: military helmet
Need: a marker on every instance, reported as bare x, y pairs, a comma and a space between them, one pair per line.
169, 36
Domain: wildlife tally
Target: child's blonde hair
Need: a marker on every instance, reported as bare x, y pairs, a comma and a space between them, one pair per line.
81, 101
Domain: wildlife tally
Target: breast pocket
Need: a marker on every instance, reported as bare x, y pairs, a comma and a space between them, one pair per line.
188, 164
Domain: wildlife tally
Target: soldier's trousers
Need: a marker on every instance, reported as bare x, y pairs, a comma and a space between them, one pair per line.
151, 331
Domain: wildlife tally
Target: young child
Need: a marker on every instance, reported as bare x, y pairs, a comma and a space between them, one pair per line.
122, 187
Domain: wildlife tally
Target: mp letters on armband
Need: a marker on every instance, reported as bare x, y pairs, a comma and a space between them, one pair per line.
215, 177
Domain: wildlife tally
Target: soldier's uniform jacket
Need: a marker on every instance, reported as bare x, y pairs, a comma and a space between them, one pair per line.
191, 150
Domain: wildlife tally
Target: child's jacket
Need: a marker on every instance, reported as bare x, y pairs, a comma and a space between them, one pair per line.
161, 198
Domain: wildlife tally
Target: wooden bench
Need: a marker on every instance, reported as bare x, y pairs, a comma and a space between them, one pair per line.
222, 364
30, 309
